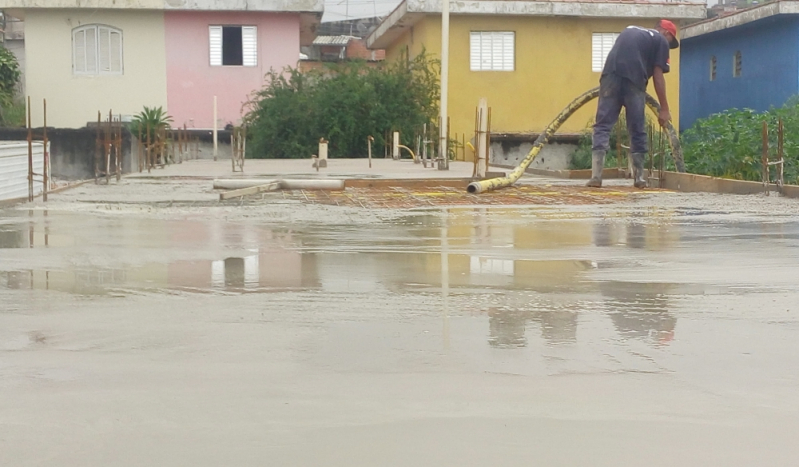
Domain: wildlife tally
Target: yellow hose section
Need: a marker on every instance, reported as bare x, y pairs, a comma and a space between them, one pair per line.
413, 156
543, 138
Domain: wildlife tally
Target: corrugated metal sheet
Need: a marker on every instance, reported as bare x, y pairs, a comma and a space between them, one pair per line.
14, 169
333, 40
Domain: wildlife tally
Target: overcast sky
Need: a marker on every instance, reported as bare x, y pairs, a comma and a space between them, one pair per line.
338, 10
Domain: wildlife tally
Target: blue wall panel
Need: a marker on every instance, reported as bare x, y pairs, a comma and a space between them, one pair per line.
769, 74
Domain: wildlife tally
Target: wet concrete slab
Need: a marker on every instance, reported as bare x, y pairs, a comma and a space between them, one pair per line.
295, 168
656, 330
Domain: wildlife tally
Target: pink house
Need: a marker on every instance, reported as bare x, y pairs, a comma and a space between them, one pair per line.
177, 54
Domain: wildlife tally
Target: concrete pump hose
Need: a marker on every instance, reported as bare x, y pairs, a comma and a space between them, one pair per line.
543, 138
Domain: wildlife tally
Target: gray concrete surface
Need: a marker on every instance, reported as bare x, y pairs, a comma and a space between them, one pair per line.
336, 168
147, 324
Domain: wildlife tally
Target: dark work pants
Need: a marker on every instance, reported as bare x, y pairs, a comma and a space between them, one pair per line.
615, 93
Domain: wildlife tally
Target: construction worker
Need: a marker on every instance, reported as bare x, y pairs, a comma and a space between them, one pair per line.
637, 55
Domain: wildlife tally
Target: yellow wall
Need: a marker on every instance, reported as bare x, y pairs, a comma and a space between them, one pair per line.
553, 66
72, 100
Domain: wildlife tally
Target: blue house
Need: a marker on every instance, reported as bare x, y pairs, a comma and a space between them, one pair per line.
749, 59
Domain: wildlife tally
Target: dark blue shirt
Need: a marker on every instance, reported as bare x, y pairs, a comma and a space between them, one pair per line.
635, 55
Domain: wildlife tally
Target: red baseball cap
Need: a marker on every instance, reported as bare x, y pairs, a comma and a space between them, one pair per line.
672, 28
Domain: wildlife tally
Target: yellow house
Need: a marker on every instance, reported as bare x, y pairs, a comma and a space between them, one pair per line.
529, 59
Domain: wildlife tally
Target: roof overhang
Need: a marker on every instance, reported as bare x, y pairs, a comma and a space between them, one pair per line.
297, 6
409, 12
742, 17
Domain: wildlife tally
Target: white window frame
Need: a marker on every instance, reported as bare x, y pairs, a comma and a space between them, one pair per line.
249, 45
96, 61
492, 51
601, 43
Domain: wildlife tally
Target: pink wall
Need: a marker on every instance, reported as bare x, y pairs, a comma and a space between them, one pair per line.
192, 82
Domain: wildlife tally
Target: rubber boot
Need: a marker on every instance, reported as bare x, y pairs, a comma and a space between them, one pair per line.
638, 170
597, 164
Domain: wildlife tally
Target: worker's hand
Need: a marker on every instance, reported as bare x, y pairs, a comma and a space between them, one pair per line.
664, 117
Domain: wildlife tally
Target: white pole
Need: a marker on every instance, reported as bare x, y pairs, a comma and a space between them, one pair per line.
216, 141
443, 156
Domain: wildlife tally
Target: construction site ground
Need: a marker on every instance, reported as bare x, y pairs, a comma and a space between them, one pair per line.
397, 323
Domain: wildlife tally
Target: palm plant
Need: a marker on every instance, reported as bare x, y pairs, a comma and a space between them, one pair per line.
150, 123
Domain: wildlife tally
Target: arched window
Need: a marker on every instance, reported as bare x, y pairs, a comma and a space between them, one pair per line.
96, 50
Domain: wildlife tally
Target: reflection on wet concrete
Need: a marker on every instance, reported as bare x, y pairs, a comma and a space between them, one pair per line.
467, 251
507, 327
640, 310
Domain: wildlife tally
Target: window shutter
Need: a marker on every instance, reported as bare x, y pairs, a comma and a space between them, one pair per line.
249, 44
497, 52
115, 57
601, 44
474, 51
215, 34
91, 50
508, 52
79, 51
492, 51
485, 51
104, 49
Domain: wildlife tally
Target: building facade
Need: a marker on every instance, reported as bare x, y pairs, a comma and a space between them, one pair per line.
749, 59
528, 58
123, 55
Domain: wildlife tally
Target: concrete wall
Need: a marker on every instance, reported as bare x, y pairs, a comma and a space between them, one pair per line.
72, 151
74, 100
770, 68
552, 67
192, 81
553, 156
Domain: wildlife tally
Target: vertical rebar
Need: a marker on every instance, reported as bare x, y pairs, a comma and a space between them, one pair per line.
780, 154
651, 137
97, 148
618, 146
139, 152
488, 140
369, 143
30, 153
764, 158
476, 140
46, 155
662, 151
149, 150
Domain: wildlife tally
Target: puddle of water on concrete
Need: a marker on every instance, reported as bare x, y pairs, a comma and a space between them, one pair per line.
501, 249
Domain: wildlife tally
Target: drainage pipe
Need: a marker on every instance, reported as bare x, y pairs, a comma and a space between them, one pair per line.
543, 138
283, 184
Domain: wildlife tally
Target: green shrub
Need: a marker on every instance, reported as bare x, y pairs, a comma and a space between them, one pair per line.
9, 78
730, 144
344, 104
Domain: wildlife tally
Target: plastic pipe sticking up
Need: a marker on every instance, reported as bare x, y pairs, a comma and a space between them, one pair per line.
543, 138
